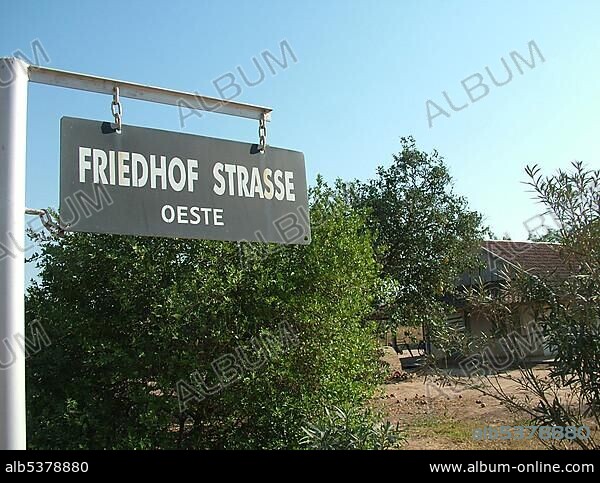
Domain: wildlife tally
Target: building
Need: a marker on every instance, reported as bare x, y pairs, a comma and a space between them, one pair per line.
501, 258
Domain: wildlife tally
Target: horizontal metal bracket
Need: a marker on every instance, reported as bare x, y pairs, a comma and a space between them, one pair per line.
104, 85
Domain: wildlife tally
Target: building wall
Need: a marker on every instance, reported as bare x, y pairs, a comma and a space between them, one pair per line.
527, 339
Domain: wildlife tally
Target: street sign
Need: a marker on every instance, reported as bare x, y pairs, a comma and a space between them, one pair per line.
159, 183
104, 205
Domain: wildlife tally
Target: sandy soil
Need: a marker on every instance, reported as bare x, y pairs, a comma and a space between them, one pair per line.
436, 417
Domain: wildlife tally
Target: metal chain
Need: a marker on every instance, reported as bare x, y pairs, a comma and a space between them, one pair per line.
117, 109
55, 228
262, 133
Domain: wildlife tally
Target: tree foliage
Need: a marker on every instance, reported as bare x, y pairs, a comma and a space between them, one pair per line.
566, 309
129, 317
426, 235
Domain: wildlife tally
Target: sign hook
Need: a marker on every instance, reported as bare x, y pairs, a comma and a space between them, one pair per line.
117, 109
56, 229
262, 133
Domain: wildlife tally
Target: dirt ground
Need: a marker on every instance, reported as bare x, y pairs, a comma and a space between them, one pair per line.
436, 417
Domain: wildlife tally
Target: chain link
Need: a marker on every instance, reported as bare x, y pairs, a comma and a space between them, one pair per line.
117, 109
262, 133
55, 228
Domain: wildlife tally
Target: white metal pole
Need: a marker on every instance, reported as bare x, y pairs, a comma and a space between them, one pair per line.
13, 126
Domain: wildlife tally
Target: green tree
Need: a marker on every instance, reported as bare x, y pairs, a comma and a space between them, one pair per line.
426, 235
130, 318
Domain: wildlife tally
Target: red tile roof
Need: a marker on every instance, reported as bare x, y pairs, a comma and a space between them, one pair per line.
538, 258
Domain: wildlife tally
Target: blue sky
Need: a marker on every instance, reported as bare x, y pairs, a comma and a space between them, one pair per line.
364, 72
